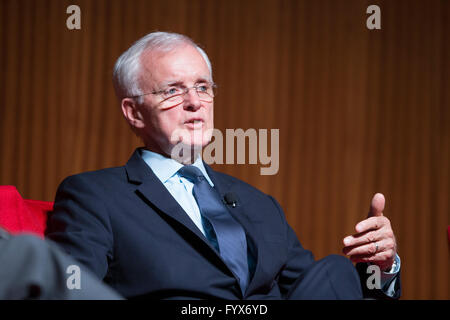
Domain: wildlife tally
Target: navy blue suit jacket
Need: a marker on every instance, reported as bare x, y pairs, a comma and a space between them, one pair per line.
125, 226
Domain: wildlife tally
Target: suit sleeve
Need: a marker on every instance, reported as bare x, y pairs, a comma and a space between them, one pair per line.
80, 224
298, 258
379, 294
33, 268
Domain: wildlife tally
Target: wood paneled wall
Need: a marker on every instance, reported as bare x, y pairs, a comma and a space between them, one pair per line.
359, 111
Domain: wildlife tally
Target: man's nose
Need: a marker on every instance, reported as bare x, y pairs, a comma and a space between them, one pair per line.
192, 100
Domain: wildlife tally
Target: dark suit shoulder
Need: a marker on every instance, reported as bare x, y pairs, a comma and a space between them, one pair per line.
243, 189
102, 176
230, 180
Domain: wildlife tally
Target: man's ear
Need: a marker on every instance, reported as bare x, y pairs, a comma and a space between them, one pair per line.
130, 110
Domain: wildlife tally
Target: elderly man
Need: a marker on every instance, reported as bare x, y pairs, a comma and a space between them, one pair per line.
166, 225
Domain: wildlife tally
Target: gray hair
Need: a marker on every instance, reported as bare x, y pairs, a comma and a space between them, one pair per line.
128, 65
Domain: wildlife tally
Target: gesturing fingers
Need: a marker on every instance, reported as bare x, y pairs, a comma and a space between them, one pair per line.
384, 232
374, 241
372, 223
377, 205
361, 239
370, 248
383, 259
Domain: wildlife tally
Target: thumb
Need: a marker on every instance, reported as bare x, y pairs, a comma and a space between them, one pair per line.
377, 205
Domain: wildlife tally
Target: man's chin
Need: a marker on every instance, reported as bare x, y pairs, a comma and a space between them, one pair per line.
194, 138
186, 152
188, 144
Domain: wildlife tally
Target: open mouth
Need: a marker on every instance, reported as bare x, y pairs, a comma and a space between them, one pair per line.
194, 123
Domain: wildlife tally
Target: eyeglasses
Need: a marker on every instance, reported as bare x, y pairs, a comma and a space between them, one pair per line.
175, 94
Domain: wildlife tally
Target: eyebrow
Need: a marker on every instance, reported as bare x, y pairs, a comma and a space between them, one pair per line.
170, 83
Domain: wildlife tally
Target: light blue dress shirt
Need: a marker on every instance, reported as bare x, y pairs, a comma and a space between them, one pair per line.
387, 278
166, 169
180, 188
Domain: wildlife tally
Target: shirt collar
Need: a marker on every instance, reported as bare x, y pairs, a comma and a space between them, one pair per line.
165, 168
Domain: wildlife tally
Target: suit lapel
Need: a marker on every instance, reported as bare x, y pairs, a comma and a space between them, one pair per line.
155, 194
152, 191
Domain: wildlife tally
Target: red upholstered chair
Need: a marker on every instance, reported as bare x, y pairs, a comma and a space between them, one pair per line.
448, 234
18, 215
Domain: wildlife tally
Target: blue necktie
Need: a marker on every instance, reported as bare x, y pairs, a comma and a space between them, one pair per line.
222, 230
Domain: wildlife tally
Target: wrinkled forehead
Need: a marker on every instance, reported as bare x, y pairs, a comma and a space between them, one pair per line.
183, 63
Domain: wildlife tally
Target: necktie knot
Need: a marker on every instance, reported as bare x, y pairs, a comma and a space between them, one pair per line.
192, 173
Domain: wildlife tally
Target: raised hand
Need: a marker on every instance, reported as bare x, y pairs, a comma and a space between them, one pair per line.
374, 240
